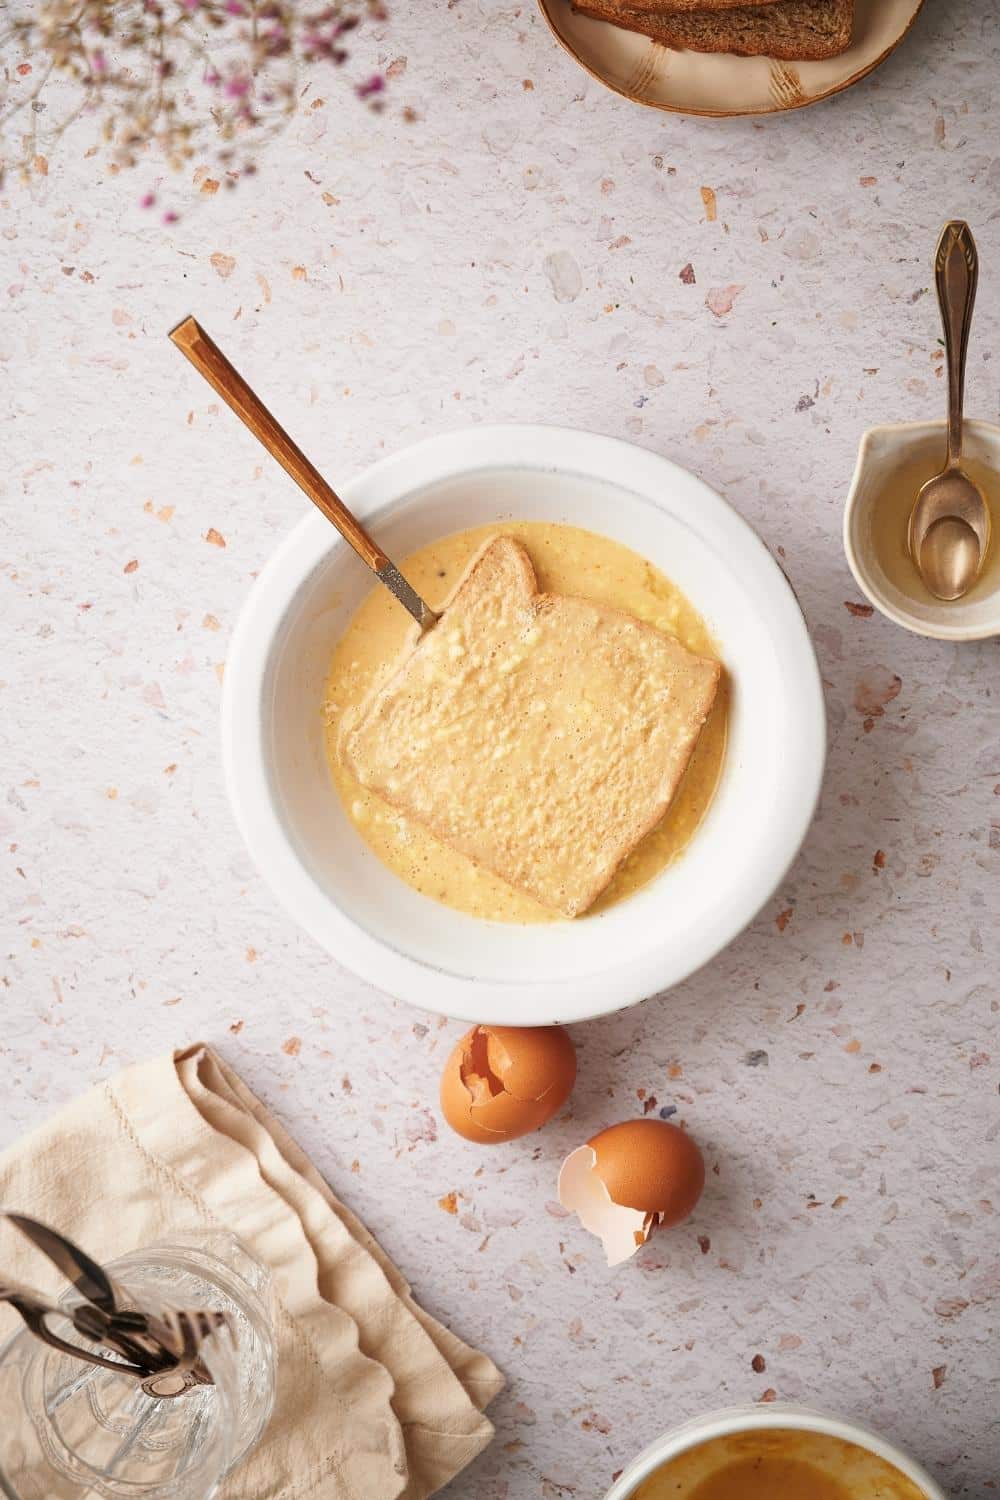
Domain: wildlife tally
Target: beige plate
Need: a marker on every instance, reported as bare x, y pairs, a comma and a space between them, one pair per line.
701, 83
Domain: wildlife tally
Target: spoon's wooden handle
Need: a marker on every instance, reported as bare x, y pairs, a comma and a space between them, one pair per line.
210, 361
956, 269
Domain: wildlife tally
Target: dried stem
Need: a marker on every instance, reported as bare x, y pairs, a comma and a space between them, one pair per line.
216, 76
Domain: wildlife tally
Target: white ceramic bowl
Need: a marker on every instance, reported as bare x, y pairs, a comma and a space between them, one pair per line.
760, 1418
314, 859
882, 452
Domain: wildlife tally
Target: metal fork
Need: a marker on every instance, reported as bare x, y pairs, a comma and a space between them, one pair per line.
160, 1349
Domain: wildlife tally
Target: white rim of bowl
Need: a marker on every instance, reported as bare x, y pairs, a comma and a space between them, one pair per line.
739, 1419
385, 483
915, 626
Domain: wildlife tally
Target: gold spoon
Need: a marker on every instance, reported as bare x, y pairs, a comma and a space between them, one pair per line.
209, 360
950, 523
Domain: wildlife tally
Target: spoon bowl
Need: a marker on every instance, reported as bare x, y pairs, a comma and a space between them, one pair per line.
950, 533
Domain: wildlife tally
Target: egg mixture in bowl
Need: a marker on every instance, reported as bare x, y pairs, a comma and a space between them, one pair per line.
603, 521
568, 561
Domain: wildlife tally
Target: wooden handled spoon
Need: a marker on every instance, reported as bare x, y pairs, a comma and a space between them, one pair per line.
192, 340
950, 523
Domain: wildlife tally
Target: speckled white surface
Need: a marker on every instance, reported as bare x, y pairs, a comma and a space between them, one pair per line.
517, 253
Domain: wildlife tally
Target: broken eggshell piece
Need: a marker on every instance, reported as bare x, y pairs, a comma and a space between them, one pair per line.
621, 1230
628, 1179
501, 1082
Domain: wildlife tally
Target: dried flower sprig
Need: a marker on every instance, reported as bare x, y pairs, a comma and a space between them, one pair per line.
210, 77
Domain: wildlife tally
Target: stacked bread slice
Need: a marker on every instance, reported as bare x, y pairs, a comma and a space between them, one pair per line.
793, 30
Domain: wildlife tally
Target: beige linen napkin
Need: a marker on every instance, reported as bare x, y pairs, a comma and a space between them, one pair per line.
376, 1400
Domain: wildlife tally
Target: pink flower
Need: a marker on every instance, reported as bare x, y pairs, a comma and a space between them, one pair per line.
132, 61
276, 41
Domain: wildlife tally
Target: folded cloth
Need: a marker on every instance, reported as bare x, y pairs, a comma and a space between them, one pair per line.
376, 1400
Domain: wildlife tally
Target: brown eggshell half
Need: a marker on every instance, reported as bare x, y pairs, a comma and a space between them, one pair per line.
532, 1061
501, 1082
651, 1166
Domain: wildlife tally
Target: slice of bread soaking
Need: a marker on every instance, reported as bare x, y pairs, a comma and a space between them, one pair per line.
541, 735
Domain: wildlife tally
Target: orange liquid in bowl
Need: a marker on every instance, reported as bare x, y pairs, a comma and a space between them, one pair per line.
780, 1464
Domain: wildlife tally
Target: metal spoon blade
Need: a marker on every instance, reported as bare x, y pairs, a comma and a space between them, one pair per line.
950, 533
950, 558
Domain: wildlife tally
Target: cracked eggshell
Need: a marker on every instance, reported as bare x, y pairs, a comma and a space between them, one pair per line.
628, 1179
501, 1082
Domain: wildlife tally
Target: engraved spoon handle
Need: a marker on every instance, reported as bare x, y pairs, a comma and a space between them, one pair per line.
210, 362
956, 270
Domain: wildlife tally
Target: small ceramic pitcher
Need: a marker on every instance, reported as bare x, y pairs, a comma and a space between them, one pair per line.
891, 461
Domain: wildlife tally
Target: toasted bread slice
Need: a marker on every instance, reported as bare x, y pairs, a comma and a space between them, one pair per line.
541, 735
792, 30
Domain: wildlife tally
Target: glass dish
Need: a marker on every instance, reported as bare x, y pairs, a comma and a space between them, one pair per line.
70, 1430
